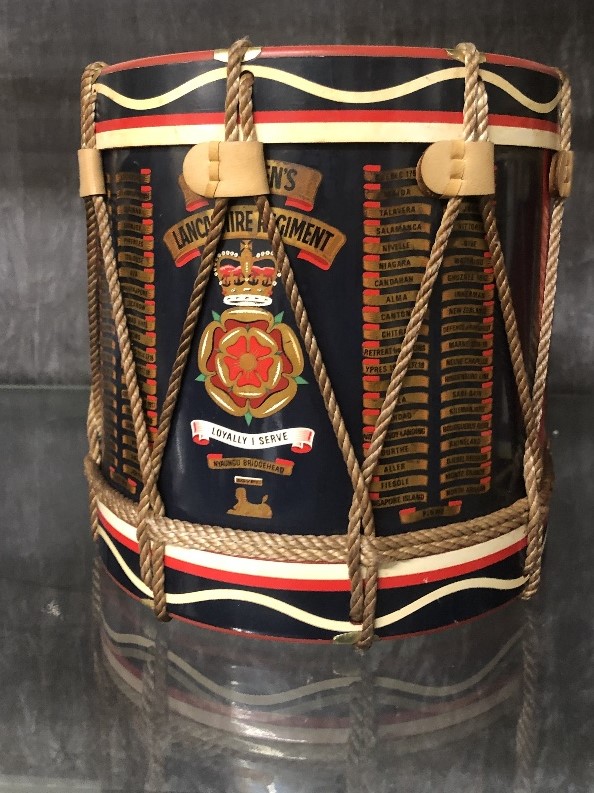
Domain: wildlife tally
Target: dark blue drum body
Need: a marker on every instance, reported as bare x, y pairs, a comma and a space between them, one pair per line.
251, 446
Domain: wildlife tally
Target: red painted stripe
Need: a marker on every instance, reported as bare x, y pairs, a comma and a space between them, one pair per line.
312, 259
522, 63
372, 51
336, 50
192, 205
307, 206
117, 535
260, 582
322, 116
187, 257
497, 120
451, 572
316, 585
160, 120
441, 116
159, 60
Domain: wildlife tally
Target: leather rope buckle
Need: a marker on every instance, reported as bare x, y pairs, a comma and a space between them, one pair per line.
561, 174
450, 168
90, 171
226, 169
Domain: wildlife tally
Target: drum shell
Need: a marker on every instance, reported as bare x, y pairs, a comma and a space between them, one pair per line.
306, 490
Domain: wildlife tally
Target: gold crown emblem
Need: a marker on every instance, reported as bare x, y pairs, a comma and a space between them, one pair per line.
246, 279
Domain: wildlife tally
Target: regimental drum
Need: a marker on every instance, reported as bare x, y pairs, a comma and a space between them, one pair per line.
321, 283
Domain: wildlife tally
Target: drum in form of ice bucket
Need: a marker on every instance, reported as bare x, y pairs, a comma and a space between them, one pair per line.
321, 283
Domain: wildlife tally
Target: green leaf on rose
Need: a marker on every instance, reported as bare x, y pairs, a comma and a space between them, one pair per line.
248, 418
201, 378
216, 316
301, 380
279, 317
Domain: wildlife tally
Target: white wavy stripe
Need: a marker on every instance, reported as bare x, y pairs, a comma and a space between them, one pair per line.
327, 92
342, 626
326, 132
162, 99
303, 571
449, 589
138, 583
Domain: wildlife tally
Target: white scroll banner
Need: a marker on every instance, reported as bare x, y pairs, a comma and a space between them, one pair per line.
299, 438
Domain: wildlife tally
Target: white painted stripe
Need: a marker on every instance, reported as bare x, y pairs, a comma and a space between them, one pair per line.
120, 525
314, 571
326, 91
521, 98
236, 564
324, 132
441, 561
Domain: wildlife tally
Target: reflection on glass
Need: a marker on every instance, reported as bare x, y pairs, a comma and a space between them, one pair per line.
228, 714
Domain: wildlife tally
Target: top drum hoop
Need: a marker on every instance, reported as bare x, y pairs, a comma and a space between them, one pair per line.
376, 423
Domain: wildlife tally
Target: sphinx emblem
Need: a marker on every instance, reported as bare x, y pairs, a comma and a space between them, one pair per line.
247, 509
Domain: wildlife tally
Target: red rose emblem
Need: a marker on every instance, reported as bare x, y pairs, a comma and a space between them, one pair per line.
250, 364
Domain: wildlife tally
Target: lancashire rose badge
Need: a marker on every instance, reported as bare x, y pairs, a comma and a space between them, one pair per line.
249, 360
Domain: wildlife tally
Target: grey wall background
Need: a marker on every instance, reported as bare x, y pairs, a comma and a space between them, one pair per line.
44, 46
